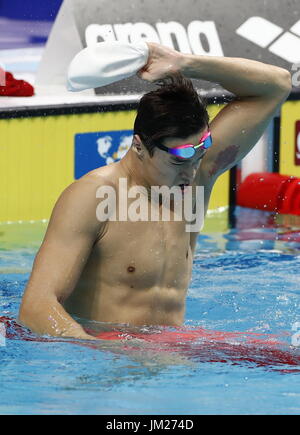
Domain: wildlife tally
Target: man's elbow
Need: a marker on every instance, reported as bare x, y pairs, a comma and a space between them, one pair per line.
283, 82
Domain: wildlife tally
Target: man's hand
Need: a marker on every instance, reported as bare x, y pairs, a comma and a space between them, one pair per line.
162, 63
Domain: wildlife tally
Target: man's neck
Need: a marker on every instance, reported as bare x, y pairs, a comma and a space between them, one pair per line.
134, 170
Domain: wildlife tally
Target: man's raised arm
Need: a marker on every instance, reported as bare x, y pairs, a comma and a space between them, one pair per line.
259, 88
71, 233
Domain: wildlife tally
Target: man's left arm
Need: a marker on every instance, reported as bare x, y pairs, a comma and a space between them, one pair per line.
260, 89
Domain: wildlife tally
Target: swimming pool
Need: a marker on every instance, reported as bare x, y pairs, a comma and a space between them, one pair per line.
245, 279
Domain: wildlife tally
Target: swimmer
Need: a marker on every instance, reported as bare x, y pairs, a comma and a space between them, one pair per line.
138, 273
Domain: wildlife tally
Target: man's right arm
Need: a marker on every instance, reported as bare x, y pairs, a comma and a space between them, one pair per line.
71, 233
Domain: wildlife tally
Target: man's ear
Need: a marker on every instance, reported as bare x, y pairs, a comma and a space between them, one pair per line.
138, 146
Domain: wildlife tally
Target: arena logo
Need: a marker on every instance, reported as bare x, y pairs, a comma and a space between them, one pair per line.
200, 37
268, 35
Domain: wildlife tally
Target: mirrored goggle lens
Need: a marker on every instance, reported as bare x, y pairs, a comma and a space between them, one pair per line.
185, 153
207, 143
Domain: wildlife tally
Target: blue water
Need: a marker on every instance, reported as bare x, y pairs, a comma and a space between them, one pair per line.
246, 279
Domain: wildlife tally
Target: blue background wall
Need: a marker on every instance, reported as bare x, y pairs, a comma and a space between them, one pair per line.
40, 10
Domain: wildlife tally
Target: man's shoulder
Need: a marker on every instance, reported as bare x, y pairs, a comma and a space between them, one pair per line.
105, 175
77, 204
81, 195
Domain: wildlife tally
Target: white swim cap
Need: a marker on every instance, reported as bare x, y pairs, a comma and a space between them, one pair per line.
105, 63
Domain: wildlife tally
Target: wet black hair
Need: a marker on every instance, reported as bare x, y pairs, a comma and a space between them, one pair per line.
174, 110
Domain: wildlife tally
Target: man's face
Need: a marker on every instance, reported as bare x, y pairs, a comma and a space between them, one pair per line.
165, 169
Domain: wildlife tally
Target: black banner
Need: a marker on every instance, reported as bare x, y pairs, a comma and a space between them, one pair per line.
267, 31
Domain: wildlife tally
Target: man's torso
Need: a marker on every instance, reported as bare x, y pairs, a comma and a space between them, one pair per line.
137, 272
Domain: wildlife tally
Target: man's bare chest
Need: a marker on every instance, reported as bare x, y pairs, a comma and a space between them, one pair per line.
144, 254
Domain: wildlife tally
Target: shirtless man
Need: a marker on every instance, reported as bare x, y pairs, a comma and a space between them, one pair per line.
138, 272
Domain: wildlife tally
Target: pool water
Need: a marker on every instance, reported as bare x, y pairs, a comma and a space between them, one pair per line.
244, 280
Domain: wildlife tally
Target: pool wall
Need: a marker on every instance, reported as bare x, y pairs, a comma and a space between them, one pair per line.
44, 149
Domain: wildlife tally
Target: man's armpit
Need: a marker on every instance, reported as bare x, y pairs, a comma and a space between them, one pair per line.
223, 160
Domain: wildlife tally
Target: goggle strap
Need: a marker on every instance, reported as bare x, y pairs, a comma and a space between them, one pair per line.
197, 146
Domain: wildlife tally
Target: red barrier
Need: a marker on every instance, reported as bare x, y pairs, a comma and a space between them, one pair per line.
270, 192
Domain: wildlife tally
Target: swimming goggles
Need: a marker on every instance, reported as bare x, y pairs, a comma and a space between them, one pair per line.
187, 151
